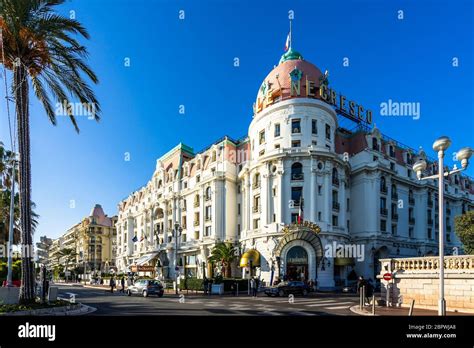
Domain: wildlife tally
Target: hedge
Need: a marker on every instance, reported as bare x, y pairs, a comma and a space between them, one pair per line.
191, 284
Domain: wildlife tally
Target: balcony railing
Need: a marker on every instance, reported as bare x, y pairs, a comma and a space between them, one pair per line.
208, 218
297, 176
335, 182
196, 203
383, 189
430, 221
394, 196
256, 185
256, 208
196, 223
411, 200
383, 211
335, 206
430, 203
411, 221
453, 264
394, 216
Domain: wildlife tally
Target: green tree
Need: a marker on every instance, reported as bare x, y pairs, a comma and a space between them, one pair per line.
464, 227
224, 253
39, 48
68, 255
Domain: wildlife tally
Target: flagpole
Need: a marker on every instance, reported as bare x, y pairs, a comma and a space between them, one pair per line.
291, 34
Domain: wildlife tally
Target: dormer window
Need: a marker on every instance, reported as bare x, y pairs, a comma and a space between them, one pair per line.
391, 150
375, 144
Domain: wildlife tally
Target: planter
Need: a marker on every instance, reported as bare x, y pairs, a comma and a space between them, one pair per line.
217, 289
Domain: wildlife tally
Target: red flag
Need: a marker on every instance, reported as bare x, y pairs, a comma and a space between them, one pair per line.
287, 44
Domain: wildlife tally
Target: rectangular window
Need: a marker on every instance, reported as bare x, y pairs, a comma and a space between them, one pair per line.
198, 178
314, 127
296, 143
335, 220
294, 217
296, 194
207, 231
261, 137
430, 233
410, 232
277, 146
394, 230
320, 189
296, 126
277, 129
383, 225
238, 209
274, 192
261, 153
208, 212
274, 218
314, 143
256, 224
328, 132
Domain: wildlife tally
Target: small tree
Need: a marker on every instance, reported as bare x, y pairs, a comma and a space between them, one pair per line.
68, 254
224, 253
464, 227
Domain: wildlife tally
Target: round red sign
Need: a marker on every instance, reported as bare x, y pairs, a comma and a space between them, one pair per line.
387, 276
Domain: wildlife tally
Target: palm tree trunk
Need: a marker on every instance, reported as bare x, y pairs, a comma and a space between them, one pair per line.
20, 87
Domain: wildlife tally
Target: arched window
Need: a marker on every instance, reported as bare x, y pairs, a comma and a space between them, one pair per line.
383, 185
335, 177
375, 144
297, 171
208, 194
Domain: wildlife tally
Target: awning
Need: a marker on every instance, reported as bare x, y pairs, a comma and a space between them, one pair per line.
145, 259
250, 256
344, 261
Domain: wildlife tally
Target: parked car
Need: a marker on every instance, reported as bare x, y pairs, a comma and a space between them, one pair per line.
285, 288
146, 287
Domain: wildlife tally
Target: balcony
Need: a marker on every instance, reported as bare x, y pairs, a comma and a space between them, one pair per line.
297, 176
411, 200
196, 223
384, 211
335, 206
196, 204
383, 190
256, 185
430, 203
196, 235
335, 182
208, 218
430, 221
394, 216
411, 221
207, 198
256, 208
448, 211
394, 196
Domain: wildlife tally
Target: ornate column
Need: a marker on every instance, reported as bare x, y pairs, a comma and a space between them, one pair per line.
313, 192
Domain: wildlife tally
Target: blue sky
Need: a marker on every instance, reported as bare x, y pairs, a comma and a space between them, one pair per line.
189, 62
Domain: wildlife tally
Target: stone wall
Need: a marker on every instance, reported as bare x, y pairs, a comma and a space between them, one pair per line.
418, 279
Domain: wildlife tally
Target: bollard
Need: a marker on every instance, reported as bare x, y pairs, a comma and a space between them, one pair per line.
373, 304
363, 296
360, 299
410, 312
388, 294
237, 289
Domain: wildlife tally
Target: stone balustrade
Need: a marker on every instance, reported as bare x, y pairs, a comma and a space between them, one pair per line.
431, 263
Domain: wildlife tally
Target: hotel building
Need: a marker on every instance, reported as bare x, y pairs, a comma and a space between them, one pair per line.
93, 240
349, 187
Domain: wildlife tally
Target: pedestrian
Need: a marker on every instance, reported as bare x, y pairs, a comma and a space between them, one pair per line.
253, 287
311, 285
205, 285
112, 284
122, 282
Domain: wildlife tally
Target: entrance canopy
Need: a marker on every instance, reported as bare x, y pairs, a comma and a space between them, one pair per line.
145, 258
250, 256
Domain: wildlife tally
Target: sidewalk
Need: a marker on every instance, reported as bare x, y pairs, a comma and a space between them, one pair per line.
400, 311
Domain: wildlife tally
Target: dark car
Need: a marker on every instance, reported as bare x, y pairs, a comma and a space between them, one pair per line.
285, 288
146, 287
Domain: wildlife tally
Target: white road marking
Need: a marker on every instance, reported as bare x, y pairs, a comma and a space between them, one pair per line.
337, 307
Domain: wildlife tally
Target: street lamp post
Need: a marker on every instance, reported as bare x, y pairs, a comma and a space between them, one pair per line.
441, 145
177, 233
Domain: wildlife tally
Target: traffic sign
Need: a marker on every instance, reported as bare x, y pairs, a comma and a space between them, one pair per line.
387, 276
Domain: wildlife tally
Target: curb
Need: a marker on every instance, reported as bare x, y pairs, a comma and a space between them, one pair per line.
355, 309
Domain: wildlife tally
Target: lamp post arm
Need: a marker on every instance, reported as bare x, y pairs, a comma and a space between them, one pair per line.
446, 174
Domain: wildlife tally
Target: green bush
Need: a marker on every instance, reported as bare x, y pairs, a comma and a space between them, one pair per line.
191, 284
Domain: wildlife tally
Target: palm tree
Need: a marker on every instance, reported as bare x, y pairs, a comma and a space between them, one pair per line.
6, 164
68, 254
224, 253
38, 47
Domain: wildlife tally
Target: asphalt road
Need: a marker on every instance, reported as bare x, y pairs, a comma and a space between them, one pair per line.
171, 304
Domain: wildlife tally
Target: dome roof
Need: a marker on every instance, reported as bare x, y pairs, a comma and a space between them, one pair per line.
277, 85
97, 211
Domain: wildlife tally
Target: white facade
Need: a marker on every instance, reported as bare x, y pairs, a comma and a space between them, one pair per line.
357, 189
